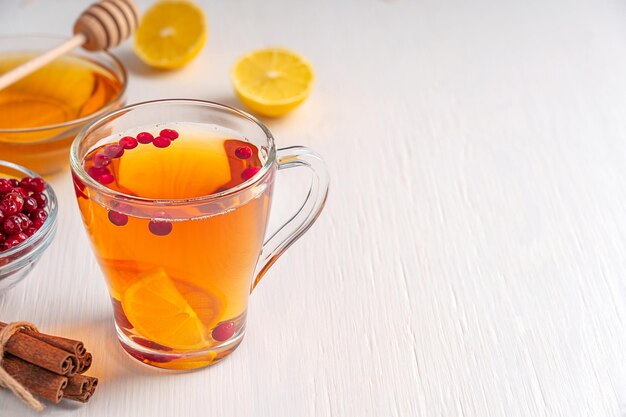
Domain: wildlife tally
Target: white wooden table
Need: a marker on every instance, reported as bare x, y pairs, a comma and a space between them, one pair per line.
472, 257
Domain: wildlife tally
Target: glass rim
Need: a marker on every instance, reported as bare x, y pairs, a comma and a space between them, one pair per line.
98, 113
85, 178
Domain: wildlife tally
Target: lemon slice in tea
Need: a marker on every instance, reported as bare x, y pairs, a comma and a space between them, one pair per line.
160, 312
182, 168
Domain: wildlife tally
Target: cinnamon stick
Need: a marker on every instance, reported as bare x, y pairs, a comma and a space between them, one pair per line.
72, 346
42, 354
84, 363
79, 384
38, 381
76, 385
83, 398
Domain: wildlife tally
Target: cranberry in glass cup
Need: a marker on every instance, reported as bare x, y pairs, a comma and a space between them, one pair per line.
175, 196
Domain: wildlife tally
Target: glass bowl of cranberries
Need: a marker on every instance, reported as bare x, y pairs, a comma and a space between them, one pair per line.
28, 212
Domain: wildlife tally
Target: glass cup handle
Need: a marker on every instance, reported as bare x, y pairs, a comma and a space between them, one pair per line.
309, 211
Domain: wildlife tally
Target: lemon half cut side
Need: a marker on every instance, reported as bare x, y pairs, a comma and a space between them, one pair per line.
272, 81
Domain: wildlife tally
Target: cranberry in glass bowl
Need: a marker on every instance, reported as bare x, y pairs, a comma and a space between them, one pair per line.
28, 217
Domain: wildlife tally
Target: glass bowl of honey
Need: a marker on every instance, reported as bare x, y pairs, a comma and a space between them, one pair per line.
18, 258
41, 113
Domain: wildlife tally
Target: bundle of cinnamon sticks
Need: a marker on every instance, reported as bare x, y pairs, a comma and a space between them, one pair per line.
50, 367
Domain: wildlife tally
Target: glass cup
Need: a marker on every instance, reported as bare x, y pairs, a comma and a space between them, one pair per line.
217, 252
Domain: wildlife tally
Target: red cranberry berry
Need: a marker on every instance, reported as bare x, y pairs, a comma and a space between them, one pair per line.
38, 217
30, 231
101, 160
13, 225
10, 242
105, 179
150, 344
79, 192
161, 142
21, 191
79, 187
160, 227
5, 186
223, 331
9, 208
41, 199
36, 185
249, 173
118, 219
21, 214
151, 357
96, 173
128, 142
15, 197
120, 317
145, 138
24, 182
243, 152
30, 204
26, 221
114, 151
21, 237
169, 133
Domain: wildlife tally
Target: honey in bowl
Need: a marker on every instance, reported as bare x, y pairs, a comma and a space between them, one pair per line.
41, 114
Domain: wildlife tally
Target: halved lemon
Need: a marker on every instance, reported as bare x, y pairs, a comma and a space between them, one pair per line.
171, 33
272, 81
162, 312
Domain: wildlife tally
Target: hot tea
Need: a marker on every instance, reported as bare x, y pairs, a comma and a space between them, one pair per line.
183, 283
175, 196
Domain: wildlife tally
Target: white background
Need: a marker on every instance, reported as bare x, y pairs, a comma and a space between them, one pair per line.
471, 260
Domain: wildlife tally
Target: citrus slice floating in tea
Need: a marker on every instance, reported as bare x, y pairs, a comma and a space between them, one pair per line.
181, 170
171, 34
160, 312
207, 305
272, 81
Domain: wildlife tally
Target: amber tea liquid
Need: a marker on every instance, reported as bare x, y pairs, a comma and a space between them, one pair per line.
67, 89
178, 284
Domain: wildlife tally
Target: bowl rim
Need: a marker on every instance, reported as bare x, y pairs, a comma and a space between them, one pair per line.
45, 229
74, 122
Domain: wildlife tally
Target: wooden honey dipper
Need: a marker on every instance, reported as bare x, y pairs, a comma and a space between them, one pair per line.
102, 26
